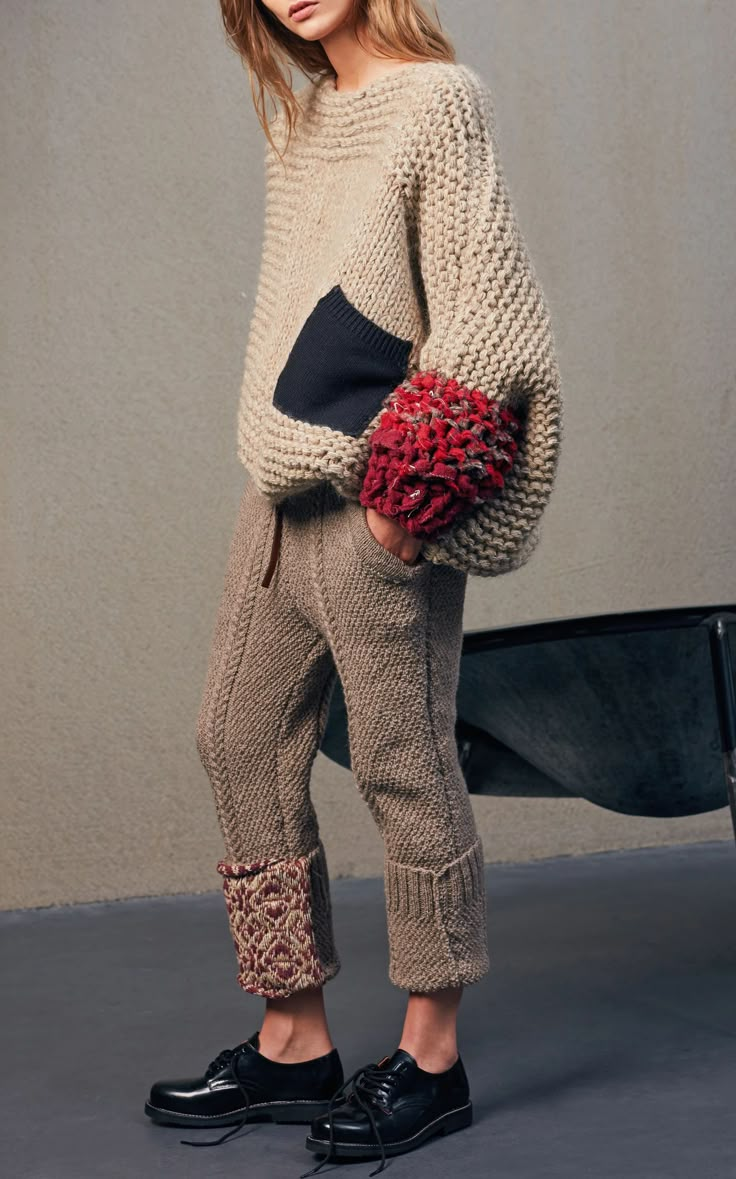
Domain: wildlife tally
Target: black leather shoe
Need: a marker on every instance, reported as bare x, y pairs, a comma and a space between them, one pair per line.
241, 1085
392, 1107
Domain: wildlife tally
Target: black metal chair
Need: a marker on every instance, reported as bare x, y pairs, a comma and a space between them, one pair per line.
635, 712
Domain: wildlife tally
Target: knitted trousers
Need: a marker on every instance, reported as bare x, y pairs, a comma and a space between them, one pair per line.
310, 594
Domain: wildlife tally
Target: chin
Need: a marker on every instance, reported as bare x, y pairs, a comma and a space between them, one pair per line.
318, 28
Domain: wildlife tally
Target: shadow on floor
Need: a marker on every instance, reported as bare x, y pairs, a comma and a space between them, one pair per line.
602, 1043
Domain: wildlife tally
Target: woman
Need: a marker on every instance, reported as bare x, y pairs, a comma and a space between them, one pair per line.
399, 424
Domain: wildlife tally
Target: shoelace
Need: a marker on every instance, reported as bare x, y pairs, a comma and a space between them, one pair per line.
227, 1057
371, 1085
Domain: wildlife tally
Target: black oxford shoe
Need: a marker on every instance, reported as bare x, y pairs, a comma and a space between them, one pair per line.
389, 1108
241, 1085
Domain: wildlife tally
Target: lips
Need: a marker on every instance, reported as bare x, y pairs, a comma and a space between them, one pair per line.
299, 5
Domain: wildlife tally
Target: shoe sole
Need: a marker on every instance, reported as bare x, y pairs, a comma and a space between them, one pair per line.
289, 1112
455, 1119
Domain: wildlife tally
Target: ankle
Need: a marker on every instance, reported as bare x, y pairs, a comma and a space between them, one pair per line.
431, 1058
293, 1046
296, 1053
295, 1028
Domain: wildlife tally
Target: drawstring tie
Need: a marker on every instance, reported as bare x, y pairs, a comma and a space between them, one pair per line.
275, 545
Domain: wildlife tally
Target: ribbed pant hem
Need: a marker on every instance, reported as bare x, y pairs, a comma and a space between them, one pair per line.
281, 923
437, 922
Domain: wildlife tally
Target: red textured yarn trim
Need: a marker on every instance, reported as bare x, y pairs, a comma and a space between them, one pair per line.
438, 449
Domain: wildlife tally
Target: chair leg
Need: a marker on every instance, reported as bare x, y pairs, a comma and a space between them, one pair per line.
723, 677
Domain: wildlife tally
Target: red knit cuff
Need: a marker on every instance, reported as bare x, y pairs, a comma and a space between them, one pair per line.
438, 449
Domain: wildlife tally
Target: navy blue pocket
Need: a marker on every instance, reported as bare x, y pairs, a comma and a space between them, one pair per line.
341, 367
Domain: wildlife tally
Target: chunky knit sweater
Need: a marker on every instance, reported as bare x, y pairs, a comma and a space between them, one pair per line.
400, 345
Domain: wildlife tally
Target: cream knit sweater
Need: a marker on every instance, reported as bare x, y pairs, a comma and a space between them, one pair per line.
400, 345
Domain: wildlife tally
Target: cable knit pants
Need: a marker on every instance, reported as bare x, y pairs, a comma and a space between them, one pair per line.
310, 594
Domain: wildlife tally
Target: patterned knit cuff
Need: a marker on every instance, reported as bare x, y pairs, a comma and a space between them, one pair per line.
281, 923
439, 448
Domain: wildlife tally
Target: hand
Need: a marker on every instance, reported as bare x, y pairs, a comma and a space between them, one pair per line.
393, 536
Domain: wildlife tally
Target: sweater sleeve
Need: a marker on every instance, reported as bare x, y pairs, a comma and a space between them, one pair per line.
465, 450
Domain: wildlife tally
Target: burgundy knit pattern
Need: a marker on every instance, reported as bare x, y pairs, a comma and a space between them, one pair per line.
439, 449
269, 906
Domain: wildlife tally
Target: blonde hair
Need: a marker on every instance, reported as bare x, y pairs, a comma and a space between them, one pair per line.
392, 28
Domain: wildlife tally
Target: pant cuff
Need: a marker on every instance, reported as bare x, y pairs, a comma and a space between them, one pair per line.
281, 923
437, 922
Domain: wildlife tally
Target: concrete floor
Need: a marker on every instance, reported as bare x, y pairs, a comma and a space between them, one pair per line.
602, 1043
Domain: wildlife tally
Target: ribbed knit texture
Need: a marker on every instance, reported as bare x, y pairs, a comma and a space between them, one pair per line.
339, 603
395, 195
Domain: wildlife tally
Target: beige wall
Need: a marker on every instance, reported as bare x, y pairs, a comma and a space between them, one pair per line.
132, 202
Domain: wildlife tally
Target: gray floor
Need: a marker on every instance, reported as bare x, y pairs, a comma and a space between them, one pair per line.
603, 1042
